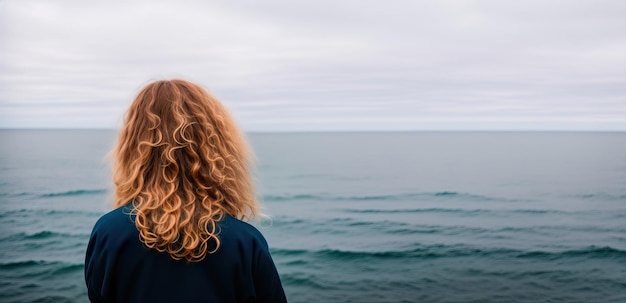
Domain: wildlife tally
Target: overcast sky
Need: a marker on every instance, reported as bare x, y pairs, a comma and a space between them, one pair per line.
322, 65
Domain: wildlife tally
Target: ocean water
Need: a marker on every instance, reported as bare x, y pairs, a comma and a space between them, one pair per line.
360, 217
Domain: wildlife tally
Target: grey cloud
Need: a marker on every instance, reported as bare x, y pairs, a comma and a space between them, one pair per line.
323, 65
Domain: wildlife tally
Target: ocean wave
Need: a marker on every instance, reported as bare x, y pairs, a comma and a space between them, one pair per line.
475, 211
598, 196
5, 194
292, 197
303, 280
67, 268
598, 252
389, 197
540, 211
455, 230
40, 235
20, 264
45, 234
454, 251
337, 254
22, 212
53, 268
286, 221
357, 225
78, 192
459, 211
418, 210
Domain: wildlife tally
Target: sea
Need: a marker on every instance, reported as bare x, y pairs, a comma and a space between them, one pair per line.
359, 216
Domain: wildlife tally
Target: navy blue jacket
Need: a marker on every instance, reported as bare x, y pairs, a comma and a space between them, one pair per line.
119, 268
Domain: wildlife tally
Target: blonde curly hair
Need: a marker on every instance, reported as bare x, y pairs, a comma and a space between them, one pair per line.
183, 164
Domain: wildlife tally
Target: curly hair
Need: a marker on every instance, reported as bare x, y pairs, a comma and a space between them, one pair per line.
183, 164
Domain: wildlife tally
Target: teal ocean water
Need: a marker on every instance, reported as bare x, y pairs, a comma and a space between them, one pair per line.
360, 217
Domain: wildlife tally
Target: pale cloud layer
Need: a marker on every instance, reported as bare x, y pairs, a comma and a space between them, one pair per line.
322, 65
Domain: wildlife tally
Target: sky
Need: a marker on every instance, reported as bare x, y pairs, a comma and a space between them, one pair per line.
282, 65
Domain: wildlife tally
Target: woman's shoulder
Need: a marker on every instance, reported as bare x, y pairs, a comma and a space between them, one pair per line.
115, 221
231, 227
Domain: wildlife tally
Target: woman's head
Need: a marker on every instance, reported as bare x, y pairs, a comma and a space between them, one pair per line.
184, 164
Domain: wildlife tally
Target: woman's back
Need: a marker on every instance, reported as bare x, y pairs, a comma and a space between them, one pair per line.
182, 184
119, 268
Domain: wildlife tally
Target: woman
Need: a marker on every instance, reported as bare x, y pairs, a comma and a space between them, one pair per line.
182, 187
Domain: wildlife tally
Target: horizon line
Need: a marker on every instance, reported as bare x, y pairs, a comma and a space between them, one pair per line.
353, 131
